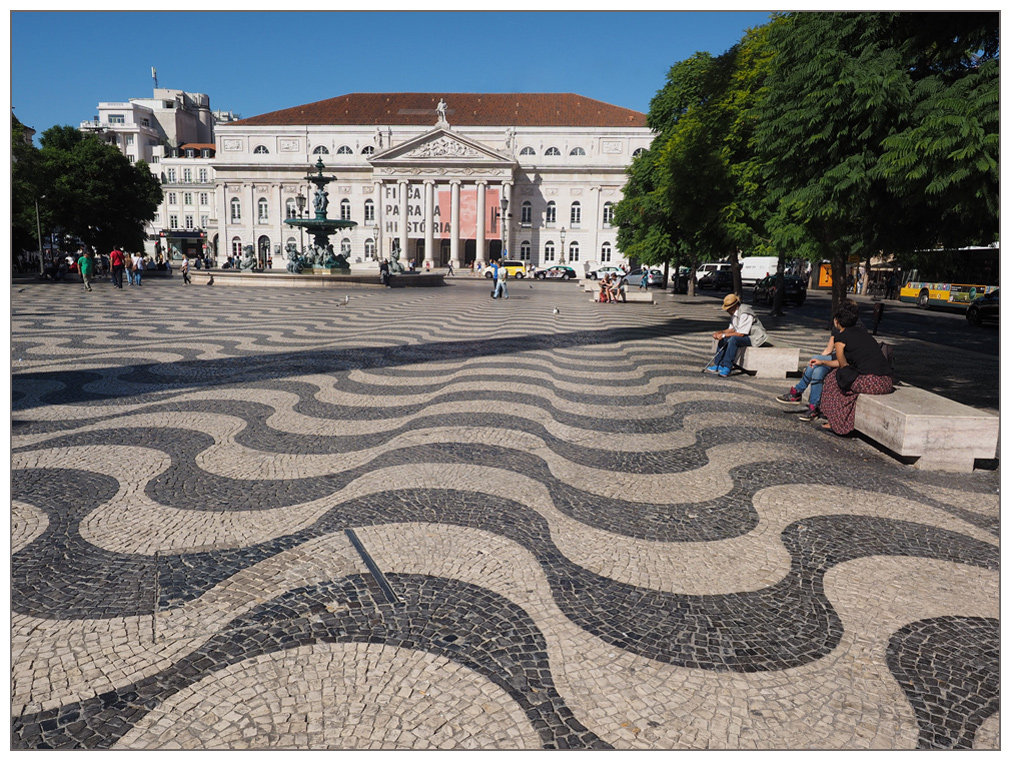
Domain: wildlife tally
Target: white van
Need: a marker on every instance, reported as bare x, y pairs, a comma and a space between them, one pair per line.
754, 268
705, 269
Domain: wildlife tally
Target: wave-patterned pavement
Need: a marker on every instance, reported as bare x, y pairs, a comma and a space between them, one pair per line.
264, 518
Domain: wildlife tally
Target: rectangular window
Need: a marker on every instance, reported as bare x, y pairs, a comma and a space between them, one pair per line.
187, 175
155, 160
170, 175
203, 221
203, 175
189, 221
145, 122
117, 119
188, 199
129, 139
203, 199
172, 198
173, 221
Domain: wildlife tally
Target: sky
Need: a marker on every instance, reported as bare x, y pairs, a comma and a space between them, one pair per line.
64, 63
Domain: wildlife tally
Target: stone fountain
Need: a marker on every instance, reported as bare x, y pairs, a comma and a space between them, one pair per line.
319, 257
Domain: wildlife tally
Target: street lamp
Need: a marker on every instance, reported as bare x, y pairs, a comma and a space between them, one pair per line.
300, 203
505, 226
375, 241
38, 230
561, 236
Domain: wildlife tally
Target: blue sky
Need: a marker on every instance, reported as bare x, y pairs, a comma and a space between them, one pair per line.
64, 63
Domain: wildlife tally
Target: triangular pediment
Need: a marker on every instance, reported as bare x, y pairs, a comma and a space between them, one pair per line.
441, 146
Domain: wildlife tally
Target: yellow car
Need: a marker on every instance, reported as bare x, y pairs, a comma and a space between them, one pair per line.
516, 269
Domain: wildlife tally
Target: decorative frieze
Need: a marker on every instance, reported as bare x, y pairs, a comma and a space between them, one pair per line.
288, 145
444, 147
231, 144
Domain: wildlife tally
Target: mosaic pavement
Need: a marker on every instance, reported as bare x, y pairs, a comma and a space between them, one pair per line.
264, 518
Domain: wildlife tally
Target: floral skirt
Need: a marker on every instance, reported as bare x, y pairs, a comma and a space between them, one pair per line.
839, 407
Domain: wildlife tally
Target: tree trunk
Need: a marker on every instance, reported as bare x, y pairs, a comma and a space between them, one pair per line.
777, 302
839, 290
735, 271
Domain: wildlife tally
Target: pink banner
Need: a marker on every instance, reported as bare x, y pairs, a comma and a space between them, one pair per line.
468, 214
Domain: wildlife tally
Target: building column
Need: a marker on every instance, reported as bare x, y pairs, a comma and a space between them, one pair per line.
380, 221
454, 223
479, 254
402, 189
430, 221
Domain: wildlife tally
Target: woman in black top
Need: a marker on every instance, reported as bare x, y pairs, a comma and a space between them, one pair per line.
860, 368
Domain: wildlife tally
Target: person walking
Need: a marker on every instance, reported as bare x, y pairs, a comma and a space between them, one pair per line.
500, 274
117, 261
449, 268
185, 269
86, 266
138, 268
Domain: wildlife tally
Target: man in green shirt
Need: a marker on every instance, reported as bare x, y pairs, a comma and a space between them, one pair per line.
86, 266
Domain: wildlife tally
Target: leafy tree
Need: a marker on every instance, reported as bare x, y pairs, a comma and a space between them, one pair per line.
25, 189
93, 192
877, 133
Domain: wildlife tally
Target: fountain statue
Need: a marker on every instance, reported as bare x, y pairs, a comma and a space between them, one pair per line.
320, 254
249, 259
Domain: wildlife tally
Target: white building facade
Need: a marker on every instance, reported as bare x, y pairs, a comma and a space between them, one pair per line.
428, 173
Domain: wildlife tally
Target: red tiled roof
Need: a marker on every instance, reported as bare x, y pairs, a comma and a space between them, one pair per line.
462, 109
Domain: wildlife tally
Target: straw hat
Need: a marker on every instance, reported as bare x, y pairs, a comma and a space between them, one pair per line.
730, 301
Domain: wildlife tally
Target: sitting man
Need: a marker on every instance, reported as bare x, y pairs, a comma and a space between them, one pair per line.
745, 329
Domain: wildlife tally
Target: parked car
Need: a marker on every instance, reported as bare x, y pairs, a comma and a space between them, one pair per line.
601, 272
556, 272
705, 269
984, 308
794, 289
718, 280
516, 269
655, 277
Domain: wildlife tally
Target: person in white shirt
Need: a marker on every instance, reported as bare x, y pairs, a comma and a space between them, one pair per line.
745, 329
138, 268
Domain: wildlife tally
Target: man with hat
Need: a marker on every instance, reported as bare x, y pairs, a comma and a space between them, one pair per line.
745, 329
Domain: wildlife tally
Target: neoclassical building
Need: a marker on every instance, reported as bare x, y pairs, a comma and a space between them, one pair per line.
450, 177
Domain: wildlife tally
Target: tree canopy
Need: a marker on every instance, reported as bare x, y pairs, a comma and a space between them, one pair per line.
824, 135
92, 192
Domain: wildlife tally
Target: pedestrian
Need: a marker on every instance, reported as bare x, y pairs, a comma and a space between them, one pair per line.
185, 269
428, 265
138, 268
644, 282
384, 273
449, 267
501, 274
116, 260
86, 266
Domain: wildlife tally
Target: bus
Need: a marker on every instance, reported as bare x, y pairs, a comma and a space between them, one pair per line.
951, 277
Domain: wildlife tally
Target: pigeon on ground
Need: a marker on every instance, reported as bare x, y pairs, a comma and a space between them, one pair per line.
555, 310
210, 280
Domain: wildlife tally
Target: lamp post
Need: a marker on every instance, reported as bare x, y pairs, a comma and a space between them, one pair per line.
505, 226
300, 203
375, 242
38, 231
561, 246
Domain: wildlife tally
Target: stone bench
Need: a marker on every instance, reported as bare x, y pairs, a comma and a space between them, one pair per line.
943, 434
635, 296
766, 361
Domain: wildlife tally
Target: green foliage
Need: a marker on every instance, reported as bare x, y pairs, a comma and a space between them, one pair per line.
91, 190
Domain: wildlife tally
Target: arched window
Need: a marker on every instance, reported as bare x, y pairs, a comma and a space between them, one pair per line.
320, 150
573, 252
528, 151
550, 213
552, 151
236, 208
260, 149
526, 213
575, 214
368, 150
237, 247
290, 209
549, 251
605, 252
346, 246
344, 150
638, 152
577, 151
345, 209
370, 210
370, 248
261, 210
608, 214
525, 251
